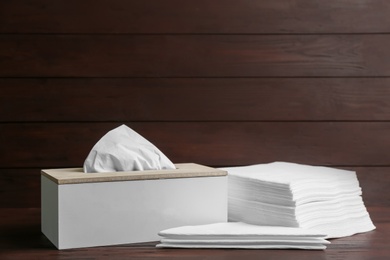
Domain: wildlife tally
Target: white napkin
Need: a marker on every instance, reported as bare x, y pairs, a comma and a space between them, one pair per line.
122, 149
241, 235
294, 195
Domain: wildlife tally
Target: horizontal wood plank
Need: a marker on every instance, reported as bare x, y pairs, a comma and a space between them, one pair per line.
194, 55
21, 187
216, 99
194, 16
62, 145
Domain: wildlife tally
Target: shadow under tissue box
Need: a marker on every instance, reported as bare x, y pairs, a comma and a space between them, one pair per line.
99, 209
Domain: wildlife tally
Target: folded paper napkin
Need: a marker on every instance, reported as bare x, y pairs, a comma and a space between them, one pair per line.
241, 235
122, 149
293, 195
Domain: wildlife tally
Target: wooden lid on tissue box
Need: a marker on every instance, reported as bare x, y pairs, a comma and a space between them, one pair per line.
183, 170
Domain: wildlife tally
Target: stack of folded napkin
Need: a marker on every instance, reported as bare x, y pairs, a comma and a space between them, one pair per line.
241, 235
323, 199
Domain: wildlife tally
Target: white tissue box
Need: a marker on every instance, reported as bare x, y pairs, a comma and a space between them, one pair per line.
98, 209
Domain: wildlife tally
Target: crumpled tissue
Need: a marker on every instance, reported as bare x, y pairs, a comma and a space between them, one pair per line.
123, 149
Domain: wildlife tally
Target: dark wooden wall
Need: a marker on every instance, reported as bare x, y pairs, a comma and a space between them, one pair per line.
221, 83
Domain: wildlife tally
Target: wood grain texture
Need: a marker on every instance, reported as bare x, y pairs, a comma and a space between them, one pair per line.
194, 16
194, 99
20, 188
183, 170
219, 83
215, 143
22, 239
194, 55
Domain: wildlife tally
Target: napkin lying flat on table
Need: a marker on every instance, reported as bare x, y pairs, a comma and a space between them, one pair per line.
294, 195
122, 149
241, 235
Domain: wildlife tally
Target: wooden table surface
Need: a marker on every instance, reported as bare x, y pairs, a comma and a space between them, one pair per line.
21, 238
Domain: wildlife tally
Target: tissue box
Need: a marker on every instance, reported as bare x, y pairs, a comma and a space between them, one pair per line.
98, 209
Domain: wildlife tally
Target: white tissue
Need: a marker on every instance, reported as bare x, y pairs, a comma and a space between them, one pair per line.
241, 235
295, 195
122, 149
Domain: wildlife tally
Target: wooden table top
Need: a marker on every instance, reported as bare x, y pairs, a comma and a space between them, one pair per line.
21, 238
